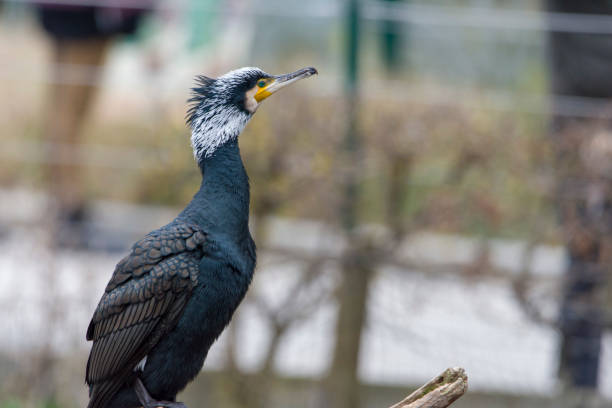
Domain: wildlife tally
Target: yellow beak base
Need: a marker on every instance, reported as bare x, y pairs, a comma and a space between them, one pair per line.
281, 81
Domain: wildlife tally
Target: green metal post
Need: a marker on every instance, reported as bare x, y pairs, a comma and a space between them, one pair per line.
392, 41
342, 384
352, 141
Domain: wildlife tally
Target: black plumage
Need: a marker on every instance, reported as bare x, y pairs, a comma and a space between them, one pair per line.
173, 295
148, 290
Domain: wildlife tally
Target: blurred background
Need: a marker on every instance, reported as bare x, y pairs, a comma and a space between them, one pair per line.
440, 195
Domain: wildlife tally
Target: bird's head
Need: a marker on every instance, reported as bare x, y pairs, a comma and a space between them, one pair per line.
220, 108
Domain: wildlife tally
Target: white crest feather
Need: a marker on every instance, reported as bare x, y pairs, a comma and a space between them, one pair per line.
211, 131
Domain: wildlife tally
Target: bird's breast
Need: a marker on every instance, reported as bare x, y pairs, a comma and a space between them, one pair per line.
219, 291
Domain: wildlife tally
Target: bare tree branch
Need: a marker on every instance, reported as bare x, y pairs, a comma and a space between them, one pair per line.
440, 392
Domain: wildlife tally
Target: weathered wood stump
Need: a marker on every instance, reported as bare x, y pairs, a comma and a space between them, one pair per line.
440, 392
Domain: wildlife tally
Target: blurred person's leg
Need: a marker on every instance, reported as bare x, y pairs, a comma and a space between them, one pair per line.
77, 67
579, 65
81, 36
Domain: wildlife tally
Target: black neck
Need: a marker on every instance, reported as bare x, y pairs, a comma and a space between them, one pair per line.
222, 203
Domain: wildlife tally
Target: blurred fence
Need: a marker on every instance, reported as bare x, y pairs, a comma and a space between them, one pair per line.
469, 160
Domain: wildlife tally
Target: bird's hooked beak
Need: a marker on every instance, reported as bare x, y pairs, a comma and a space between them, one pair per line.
275, 83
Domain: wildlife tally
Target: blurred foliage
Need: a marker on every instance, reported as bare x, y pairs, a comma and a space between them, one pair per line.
477, 171
11, 403
16, 403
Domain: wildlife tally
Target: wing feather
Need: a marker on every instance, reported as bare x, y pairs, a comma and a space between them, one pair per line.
143, 300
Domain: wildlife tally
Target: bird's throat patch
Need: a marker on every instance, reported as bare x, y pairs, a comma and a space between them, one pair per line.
250, 103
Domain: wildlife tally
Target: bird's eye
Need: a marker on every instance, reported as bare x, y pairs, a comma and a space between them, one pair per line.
261, 84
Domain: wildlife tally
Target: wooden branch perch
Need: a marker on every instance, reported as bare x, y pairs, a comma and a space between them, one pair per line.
440, 392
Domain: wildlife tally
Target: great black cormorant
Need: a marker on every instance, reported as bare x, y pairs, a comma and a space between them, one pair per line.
173, 295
